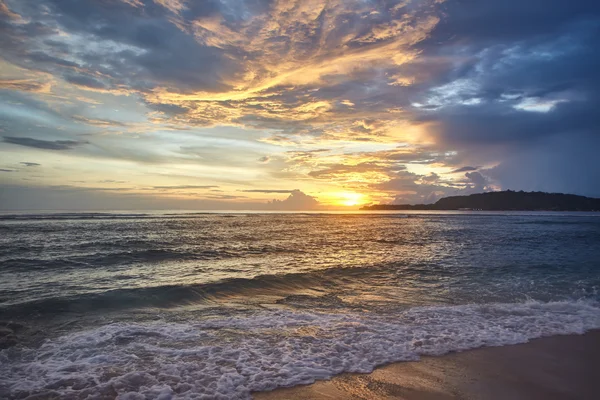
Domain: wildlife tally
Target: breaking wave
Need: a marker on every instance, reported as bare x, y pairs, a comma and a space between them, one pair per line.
231, 357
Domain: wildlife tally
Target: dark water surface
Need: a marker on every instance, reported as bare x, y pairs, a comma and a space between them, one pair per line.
218, 305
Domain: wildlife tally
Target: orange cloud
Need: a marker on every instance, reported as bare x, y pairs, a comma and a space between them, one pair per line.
293, 52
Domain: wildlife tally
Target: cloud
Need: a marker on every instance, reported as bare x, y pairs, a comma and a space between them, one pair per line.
464, 169
477, 180
264, 159
486, 23
30, 164
74, 188
134, 44
43, 144
362, 171
85, 81
186, 187
18, 197
484, 102
225, 197
98, 121
260, 66
565, 164
267, 191
24, 85
5, 11
409, 188
7, 170
297, 200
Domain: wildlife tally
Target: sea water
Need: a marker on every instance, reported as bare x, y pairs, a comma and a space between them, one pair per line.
215, 306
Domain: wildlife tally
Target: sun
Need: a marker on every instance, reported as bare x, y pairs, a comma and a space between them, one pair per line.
350, 199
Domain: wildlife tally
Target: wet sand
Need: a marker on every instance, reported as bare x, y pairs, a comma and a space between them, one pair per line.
559, 367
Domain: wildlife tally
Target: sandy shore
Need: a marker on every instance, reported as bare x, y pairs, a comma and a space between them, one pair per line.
560, 367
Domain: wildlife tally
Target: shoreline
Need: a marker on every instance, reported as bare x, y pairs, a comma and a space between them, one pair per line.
556, 367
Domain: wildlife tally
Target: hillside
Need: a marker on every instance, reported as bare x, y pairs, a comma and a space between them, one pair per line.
503, 201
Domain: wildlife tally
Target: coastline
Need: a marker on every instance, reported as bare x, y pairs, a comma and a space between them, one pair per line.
557, 367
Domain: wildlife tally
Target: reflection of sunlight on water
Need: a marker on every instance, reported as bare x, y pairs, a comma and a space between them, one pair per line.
362, 260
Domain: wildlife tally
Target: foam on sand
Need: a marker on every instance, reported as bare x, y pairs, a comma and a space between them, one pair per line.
228, 358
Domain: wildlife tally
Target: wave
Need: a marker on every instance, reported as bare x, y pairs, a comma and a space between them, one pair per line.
112, 258
316, 283
565, 221
231, 357
126, 252
63, 216
104, 215
192, 215
176, 295
319, 288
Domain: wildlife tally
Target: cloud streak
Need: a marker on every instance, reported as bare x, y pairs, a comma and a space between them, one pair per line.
267, 191
43, 144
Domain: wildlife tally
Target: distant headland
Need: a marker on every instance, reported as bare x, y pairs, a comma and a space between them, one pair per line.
507, 200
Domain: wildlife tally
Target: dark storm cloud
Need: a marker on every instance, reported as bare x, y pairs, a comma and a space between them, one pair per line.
530, 48
516, 83
508, 85
484, 124
563, 163
43, 144
489, 22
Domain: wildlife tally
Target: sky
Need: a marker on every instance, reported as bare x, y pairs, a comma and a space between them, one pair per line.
294, 105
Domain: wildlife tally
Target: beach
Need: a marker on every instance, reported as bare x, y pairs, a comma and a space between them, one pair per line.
558, 367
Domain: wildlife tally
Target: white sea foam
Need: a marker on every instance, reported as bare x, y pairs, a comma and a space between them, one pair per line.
228, 358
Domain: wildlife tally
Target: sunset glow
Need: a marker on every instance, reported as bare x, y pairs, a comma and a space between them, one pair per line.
285, 104
351, 199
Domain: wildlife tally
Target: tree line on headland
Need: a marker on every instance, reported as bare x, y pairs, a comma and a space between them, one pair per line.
507, 200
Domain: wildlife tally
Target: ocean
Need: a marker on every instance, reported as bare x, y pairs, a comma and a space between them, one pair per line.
168, 305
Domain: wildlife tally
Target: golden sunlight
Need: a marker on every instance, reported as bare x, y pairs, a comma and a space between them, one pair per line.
351, 199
